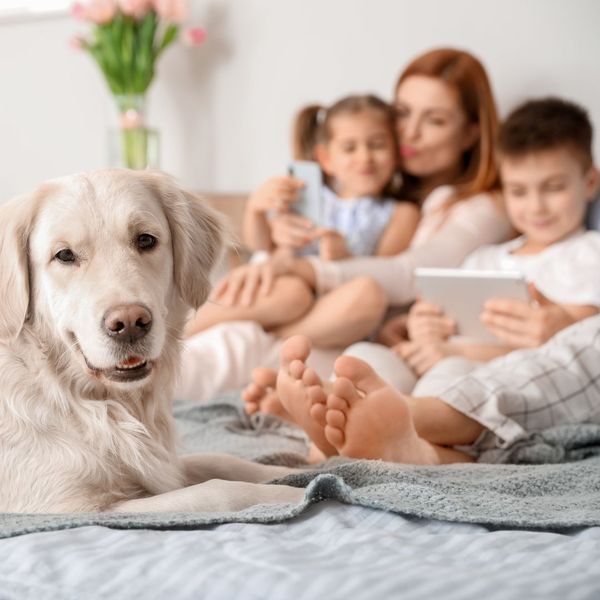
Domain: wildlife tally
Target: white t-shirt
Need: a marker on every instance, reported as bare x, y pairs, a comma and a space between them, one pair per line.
567, 272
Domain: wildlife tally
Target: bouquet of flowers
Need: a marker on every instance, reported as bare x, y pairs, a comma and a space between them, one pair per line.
127, 38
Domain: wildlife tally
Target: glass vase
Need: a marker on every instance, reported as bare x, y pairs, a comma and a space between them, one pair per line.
132, 144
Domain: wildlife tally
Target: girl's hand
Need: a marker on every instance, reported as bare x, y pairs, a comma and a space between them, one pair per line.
393, 331
421, 356
521, 324
332, 245
276, 194
427, 321
294, 231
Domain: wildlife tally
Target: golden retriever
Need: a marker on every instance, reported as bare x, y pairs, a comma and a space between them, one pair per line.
99, 271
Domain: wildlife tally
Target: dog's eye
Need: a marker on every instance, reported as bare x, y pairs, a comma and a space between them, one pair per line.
145, 241
66, 255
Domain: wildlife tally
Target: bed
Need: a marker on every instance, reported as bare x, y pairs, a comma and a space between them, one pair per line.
366, 529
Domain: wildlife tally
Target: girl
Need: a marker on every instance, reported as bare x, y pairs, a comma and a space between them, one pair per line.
354, 143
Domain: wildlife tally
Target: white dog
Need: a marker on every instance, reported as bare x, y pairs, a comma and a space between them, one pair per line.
99, 271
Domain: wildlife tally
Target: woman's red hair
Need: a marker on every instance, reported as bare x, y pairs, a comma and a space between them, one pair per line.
467, 75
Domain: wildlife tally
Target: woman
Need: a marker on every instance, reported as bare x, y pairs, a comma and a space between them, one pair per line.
446, 126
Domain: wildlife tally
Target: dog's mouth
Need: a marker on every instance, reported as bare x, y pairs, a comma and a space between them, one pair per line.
132, 368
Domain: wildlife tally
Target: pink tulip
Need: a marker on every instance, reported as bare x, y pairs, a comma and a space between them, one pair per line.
135, 8
101, 11
171, 10
194, 36
78, 11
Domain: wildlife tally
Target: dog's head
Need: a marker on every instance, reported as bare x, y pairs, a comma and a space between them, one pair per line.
106, 263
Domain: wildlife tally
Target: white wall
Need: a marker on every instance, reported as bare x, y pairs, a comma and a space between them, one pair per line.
224, 109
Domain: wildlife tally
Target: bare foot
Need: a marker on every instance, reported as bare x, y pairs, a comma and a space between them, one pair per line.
368, 418
301, 392
261, 396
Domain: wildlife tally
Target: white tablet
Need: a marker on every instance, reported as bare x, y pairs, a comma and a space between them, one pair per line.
462, 294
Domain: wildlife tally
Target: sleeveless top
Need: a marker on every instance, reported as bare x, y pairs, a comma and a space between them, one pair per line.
361, 221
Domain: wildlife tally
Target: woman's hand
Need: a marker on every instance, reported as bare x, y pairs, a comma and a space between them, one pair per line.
393, 331
521, 324
427, 321
275, 194
245, 284
289, 230
421, 356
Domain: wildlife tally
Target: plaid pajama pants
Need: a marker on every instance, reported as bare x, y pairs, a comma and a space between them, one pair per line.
528, 391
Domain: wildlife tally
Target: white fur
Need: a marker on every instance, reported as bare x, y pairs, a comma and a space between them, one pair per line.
71, 439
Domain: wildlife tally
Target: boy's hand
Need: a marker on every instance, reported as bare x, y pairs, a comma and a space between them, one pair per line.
393, 331
332, 245
427, 321
421, 356
276, 194
525, 325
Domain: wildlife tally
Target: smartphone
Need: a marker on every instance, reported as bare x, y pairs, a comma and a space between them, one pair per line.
309, 202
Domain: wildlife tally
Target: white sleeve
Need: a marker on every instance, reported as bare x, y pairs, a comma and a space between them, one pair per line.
470, 224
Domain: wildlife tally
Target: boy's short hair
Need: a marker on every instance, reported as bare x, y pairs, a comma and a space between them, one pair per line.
546, 124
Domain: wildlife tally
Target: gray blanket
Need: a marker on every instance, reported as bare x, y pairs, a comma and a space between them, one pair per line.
543, 491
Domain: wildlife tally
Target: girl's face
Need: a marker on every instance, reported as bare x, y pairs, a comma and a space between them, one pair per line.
360, 155
432, 127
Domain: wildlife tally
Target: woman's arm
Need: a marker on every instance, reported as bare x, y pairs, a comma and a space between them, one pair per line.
400, 230
468, 225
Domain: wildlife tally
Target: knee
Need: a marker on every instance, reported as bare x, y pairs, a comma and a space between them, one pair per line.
296, 295
366, 297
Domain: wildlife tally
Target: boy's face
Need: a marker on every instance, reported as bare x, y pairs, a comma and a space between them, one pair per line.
546, 194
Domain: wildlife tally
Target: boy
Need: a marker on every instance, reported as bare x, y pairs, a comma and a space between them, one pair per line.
548, 178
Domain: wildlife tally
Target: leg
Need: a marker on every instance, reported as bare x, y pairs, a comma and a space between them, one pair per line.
289, 299
213, 496
301, 392
343, 316
200, 468
437, 379
367, 418
222, 359
386, 363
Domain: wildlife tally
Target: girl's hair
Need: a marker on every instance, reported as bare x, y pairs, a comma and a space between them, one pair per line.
467, 75
312, 126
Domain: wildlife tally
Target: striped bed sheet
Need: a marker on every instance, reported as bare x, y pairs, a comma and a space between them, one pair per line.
334, 551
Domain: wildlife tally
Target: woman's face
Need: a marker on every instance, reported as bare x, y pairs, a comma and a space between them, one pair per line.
433, 131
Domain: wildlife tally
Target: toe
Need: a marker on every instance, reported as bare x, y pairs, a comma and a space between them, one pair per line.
264, 377
295, 348
344, 389
335, 418
311, 378
360, 373
252, 392
251, 407
296, 369
318, 412
334, 436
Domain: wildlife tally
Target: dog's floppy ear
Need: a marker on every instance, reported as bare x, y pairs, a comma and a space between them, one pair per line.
198, 234
16, 220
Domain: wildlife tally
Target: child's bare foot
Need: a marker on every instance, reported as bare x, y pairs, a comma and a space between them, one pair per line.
261, 396
301, 392
368, 418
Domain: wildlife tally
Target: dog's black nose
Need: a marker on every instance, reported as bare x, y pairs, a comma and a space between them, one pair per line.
128, 322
